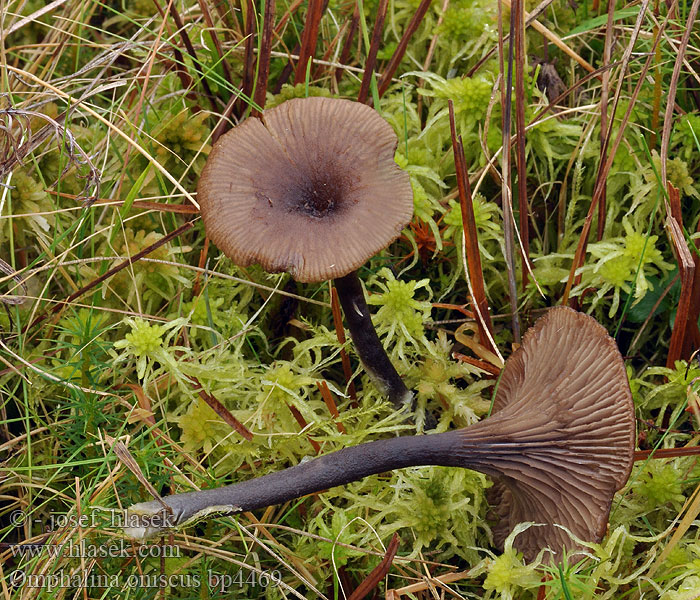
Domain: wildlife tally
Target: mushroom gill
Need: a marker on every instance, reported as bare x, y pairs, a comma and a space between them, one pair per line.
560, 441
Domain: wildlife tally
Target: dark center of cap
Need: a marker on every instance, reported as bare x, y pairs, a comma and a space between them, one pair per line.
320, 195
317, 199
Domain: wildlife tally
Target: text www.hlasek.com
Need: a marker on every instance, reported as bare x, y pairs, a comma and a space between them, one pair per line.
69, 549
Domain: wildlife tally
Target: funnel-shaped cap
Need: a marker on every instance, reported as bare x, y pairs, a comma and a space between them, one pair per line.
561, 440
311, 189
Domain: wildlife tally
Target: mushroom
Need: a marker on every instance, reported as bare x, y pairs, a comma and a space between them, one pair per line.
312, 189
559, 444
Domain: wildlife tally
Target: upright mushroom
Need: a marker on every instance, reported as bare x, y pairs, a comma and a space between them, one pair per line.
312, 189
559, 445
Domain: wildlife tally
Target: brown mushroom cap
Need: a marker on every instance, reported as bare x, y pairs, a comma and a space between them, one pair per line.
311, 189
565, 401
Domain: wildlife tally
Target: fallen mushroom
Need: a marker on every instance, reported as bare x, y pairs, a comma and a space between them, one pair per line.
559, 444
312, 189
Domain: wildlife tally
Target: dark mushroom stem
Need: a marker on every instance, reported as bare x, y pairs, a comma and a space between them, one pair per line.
369, 347
477, 447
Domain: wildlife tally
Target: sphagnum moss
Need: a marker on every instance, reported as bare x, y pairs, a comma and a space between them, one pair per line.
53, 413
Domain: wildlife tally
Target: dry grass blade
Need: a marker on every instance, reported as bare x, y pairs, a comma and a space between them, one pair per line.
347, 44
379, 572
95, 282
371, 61
429, 585
221, 410
124, 456
36, 15
686, 268
673, 86
181, 209
7, 298
692, 506
145, 411
344, 358
471, 240
330, 403
19, 142
111, 126
46, 374
506, 187
604, 169
517, 16
397, 57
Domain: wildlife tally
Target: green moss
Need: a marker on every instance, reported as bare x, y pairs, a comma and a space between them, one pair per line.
400, 317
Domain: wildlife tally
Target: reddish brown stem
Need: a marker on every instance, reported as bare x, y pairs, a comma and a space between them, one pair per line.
686, 269
476, 275
299, 418
179, 62
506, 179
193, 54
330, 404
604, 132
221, 410
666, 453
264, 57
397, 57
309, 38
371, 61
344, 358
379, 572
215, 38
202, 264
480, 364
692, 337
347, 45
287, 15
517, 13
286, 72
